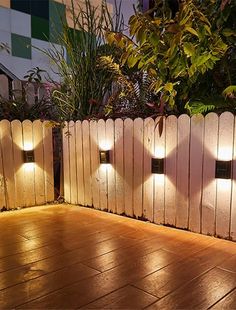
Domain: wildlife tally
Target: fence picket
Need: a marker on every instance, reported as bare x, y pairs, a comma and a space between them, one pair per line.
170, 170
128, 166
87, 166
8, 163
159, 179
224, 187
103, 145
208, 181
73, 170
48, 161
233, 203
195, 175
17, 140
119, 165
39, 162
29, 168
94, 163
138, 168
79, 162
111, 185
148, 153
2, 184
66, 162
182, 194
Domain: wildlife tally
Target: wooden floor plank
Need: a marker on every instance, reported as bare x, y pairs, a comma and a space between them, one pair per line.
43, 285
127, 297
170, 278
69, 257
228, 302
200, 293
84, 292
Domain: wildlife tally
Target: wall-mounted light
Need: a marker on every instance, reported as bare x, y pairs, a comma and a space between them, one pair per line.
104, 157
158, 165
28, 156
223, 169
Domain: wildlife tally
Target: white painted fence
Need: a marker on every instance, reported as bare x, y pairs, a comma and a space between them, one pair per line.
188, 196
25, 184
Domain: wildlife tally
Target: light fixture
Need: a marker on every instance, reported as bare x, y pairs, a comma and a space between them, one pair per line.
223, 169
104, 157
158, 165
28, 156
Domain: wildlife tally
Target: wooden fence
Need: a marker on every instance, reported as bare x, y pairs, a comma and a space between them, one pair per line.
25, 184
187, 196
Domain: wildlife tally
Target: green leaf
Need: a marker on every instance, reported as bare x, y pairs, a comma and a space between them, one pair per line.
132, 61
169, 87
196, 107
229, 91
199, 61
191, 30
189, 49
228, 32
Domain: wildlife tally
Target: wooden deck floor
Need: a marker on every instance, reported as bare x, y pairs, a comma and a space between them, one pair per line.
67, 257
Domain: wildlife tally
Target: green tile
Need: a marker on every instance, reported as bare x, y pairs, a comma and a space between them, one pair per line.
57, 12
39, 28
21, 46
57, 18
56, 31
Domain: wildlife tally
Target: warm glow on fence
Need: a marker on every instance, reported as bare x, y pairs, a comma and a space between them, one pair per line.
225, 153
159, 152
159, 179
105, 145
224, 184
28, 146
105, 167
29, 167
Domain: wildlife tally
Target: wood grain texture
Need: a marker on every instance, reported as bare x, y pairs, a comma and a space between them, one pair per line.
103, 145
98, 260
182, 195
196, 173
128, 166
79, 162
94, 164
8, 163
208, 181
233, 203
17, 140
87, 164
73, 167
40, 197
171, 170
138, 168
48, 161
148, 153
119, 165
111, 184
29, 168
66, 162
224, 187
159, 180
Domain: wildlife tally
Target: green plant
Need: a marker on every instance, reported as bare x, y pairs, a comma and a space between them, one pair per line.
84, 83
188, 54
